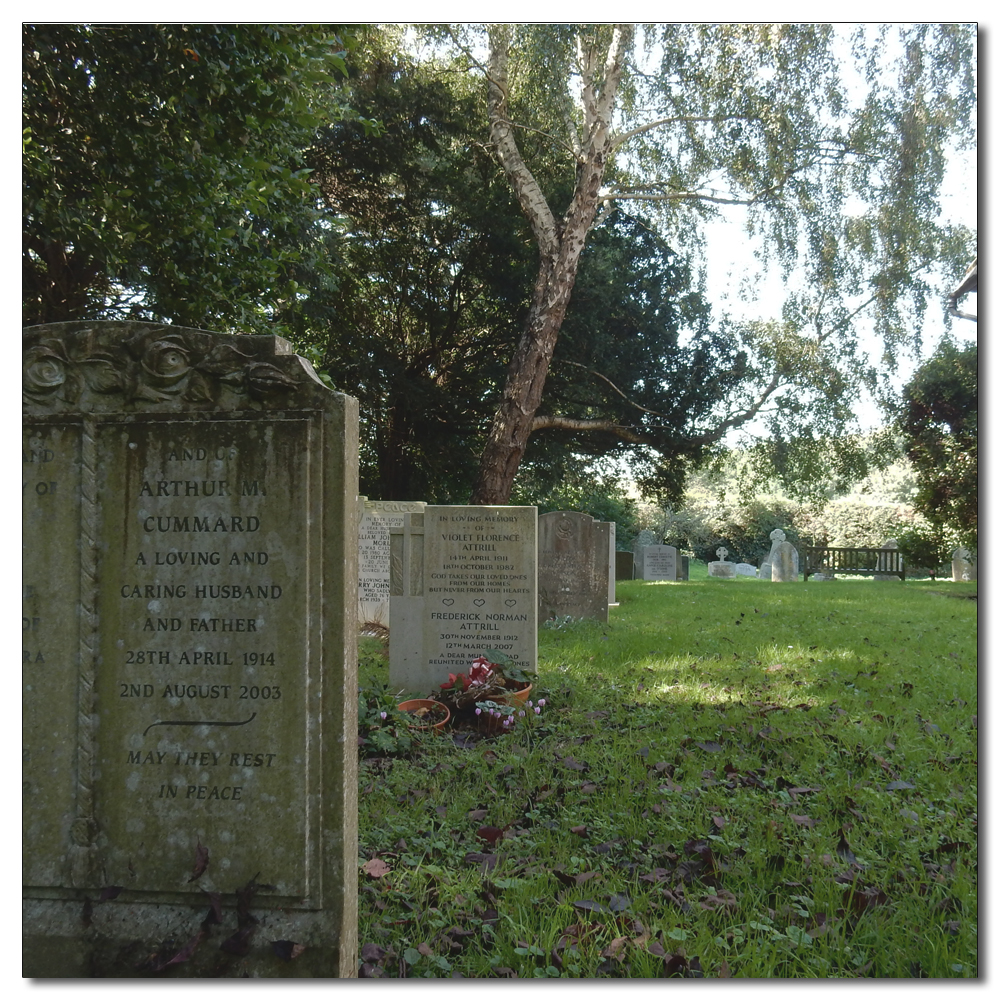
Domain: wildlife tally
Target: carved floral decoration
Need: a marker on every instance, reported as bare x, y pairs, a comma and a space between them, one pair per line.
156, 364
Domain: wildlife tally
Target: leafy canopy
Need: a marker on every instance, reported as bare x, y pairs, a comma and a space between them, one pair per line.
163, 172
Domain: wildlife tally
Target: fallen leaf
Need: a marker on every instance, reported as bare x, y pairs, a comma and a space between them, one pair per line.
802, 820
612, 950
372, 952
580, 831
376, 868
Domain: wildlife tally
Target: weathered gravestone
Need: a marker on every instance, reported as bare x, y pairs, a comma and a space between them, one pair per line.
785, 567
659, 562
463, 581
722, 570
745, 569
962, 566
624, 566
644, 538
777, 537
190, 693
612, 537
572, 566
377, 518
683, 568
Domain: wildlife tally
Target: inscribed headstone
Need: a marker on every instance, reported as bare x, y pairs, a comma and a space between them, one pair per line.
377, 518
659, 562
464, 581
189, 709
745, 569
572, 566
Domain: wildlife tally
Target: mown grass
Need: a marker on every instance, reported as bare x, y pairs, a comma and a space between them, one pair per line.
729, 778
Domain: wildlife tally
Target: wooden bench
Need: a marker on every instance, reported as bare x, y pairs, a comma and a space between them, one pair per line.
859, 562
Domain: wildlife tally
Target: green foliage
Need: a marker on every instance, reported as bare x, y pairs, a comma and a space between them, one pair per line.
429, 269
163, 172
705, 523
433, 267
929, 548
939, 420
601, 497
833, 142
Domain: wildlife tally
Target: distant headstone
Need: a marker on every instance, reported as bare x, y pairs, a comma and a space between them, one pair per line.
463, 581
624, 566
785, 568
683, 567
612, 533
189, 708
645, 537
745, 569
777, 537
963, 568
572, 566
659, 562
721, 569
377, 518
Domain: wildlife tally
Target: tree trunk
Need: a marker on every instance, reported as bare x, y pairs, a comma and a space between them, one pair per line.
512, 422
560, 246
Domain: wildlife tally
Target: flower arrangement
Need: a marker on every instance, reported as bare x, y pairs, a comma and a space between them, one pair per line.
491, 678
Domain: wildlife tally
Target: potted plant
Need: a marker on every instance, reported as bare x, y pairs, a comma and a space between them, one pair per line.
490, 678
426, 712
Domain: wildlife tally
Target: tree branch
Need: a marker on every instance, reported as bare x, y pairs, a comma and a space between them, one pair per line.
710, 437
541, 422
655, 413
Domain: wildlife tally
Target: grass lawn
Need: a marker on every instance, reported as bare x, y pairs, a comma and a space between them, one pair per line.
728, 779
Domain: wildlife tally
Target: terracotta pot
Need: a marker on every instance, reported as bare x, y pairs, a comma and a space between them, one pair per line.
520, 697
412, 706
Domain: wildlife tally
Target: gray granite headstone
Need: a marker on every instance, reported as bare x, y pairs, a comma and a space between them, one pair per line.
572, 566
463, 581
377, 518
190, 706
659, 562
